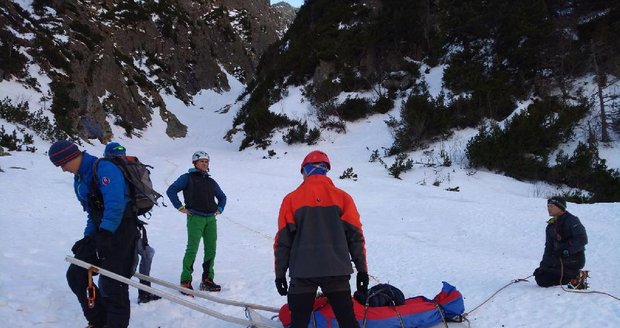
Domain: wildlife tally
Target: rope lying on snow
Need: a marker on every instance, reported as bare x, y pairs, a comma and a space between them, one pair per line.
464, 316
235, 221
525, 279
493, 295
580, 291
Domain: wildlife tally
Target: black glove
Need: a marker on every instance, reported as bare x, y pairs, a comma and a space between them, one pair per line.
282, 286
103, 239
362, 282
536, 272
80, 244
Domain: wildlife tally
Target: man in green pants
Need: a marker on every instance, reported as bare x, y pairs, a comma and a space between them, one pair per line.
204, 199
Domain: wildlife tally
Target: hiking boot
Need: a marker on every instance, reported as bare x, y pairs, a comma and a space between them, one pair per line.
579, 282
188, 285
210, 286
147, 297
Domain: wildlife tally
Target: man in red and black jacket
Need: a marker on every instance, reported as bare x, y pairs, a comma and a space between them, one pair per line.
319, 235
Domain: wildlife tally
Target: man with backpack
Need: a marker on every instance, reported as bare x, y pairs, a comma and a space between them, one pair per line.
145, 251
204, 200
319, 235
109, 236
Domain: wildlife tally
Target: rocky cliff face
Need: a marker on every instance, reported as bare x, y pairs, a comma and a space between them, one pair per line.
287, 13
112, 59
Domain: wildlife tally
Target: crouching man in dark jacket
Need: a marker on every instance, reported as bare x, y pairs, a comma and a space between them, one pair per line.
109, 237
564, 255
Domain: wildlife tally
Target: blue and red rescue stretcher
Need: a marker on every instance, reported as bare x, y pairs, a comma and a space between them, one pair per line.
417, 312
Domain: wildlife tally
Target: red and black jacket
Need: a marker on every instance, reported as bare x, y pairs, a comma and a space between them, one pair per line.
319, 232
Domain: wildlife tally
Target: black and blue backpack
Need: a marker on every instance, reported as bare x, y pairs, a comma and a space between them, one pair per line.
381, 295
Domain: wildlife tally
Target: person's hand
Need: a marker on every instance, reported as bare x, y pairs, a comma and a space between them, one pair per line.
79, 245
282, 286
183, 210
536, 271
103, 238
362, 282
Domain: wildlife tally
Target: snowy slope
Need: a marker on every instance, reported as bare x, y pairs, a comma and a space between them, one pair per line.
418, 234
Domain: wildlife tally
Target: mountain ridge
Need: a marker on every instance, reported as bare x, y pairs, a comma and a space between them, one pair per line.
150, 47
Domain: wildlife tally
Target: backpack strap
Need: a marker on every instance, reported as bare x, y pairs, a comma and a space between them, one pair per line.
145, 238
95, 198
95, 167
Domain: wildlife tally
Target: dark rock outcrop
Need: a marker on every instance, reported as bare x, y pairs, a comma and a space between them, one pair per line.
113, 60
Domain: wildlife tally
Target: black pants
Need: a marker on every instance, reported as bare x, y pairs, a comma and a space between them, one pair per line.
112, 306
549, 275
548, 278
77, 277
302, 293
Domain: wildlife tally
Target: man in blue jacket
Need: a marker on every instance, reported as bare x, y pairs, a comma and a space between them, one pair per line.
144, 249
200, 193
109, 236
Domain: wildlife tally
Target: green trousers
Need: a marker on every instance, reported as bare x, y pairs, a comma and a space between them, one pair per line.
198, 227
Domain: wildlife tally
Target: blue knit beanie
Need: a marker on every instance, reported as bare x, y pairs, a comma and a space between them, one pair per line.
315, 168
114, 149
62, 152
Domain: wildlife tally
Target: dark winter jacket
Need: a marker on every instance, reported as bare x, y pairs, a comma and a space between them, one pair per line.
564, 232
199, 193
113, 189
319, 232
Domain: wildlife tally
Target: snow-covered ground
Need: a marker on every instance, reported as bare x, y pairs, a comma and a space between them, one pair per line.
418, 234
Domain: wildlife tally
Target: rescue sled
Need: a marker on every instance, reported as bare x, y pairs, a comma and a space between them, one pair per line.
416, 312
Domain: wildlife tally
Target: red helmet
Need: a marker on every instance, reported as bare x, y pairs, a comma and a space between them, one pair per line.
316, 156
